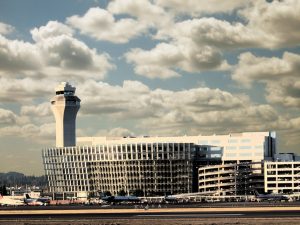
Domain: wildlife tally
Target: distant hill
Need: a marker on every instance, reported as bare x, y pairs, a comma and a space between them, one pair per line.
19, 179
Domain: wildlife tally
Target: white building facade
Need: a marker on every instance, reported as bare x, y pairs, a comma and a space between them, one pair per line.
282, 177
153, 168
231, 179
152, 165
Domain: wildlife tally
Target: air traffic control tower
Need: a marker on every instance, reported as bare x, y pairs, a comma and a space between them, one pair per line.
65, 106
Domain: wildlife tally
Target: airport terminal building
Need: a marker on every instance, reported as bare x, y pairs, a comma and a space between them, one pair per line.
154, 165
216, 164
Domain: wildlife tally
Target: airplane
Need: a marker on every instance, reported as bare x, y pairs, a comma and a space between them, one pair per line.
10, 201
36, 201
170, 198
115, 199
270, 197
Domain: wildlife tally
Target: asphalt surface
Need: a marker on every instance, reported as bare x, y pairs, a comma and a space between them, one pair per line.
132, 206
154, 215
167, 211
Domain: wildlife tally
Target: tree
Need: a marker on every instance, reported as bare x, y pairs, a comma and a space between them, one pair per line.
122, 193
19, 179
138, 193
3, 190
106, 193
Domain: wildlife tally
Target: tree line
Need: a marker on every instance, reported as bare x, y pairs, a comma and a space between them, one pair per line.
12, 179
3, 190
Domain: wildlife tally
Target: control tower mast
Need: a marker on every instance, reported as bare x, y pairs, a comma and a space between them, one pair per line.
65, 106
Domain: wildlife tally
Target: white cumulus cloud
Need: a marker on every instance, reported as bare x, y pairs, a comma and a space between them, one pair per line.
7, 117
198, 7
6, 28
145, 11
280, 75
165, 60
55, 54
51, 30
278, 19
18, 57
40, 110
166, 112
101, 24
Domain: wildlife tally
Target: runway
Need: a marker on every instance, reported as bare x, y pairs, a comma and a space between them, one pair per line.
169, 213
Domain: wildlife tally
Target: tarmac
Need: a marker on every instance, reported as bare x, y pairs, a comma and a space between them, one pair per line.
66, 215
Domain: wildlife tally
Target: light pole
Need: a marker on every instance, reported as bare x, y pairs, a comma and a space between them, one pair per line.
246, 170
171, 176
245, 185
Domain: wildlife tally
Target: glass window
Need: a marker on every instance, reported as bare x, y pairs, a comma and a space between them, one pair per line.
215, 142
232, 140
133, 148
231, 155
246, 154
215, 148
245, 147
203, 142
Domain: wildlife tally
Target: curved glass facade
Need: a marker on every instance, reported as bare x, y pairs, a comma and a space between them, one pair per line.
153, 168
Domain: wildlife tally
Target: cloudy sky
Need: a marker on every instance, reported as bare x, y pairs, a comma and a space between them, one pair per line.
148, 67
